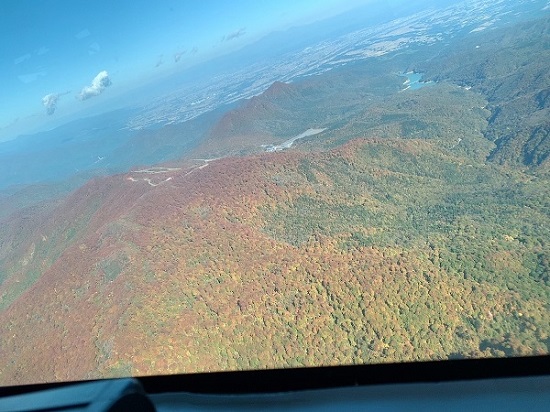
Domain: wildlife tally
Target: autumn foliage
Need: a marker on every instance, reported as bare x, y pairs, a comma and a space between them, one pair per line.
377, 251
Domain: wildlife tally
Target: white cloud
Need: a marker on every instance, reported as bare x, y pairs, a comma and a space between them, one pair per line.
21, 59
99, 84
235, 34
160, 61
50, 102
93, 48
82, 34
178, 55
31, 77
42, 50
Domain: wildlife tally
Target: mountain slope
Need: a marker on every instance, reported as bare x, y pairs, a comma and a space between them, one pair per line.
511, 67
381, 250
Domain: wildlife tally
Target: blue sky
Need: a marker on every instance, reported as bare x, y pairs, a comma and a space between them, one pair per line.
58, 47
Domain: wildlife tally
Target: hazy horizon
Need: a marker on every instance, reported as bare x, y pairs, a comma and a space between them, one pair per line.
135, 44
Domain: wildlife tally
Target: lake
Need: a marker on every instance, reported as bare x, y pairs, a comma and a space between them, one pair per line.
414, 82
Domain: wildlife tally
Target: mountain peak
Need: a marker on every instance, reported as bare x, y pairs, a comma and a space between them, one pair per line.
277, 89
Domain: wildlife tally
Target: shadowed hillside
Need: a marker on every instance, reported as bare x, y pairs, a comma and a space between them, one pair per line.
511, 67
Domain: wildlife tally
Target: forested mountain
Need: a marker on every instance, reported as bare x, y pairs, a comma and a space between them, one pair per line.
511, 68
409, 227
381, 250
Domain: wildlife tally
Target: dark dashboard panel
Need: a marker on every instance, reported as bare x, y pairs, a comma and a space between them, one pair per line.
479, 384
513, 394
